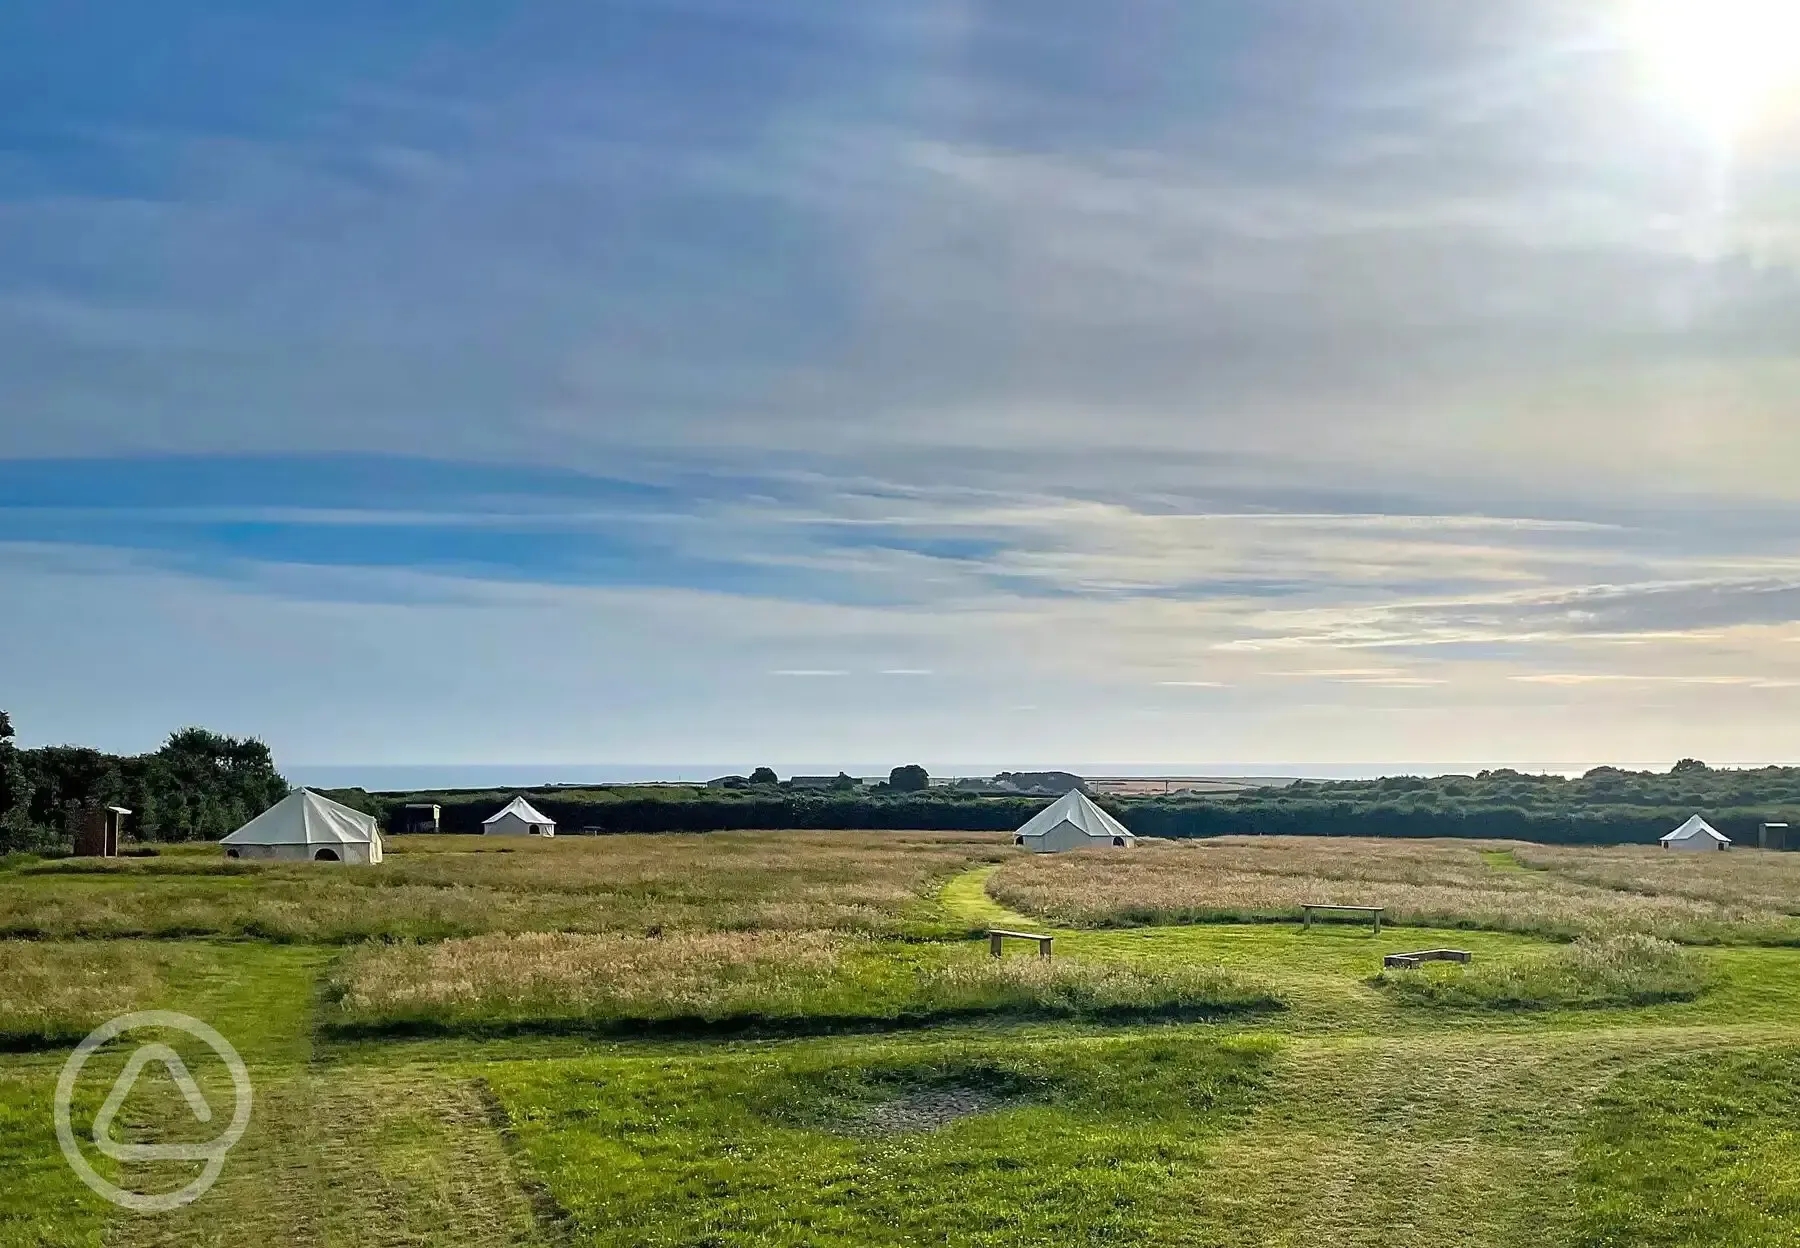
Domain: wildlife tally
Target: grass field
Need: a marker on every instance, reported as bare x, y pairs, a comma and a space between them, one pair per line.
1559, 892
437, 887
792, 1039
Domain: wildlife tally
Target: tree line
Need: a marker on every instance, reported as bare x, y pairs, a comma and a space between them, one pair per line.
202, 785
1607, 806
199, 785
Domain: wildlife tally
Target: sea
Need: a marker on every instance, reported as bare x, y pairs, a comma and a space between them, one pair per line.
408, 777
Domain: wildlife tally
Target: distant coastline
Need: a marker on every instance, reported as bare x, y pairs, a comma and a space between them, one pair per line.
409, 776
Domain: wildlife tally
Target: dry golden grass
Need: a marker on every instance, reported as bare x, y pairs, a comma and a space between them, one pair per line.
699, 974
1436, 883
1762, 879
437, 887
549, 978
1073, 986
50, 993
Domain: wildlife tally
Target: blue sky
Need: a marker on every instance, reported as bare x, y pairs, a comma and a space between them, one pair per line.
1035, 382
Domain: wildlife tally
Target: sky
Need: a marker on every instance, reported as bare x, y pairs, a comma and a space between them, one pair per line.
1037, 382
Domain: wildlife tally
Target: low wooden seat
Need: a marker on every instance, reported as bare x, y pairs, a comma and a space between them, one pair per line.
1374, 912
996, 937
1411, 961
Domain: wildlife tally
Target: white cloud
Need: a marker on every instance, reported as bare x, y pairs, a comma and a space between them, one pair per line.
1443, 354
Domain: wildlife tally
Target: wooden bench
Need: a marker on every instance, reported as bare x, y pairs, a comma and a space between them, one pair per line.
1373, 912
1410, 961
995, 937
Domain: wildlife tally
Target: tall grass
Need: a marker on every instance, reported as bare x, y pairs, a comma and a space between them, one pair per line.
1085, 989
702, 975
1435, 883
1740, 877
566, 981
437, 887
1591, 972
53, 994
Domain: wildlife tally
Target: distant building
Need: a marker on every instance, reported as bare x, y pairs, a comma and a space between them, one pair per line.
518, 818
1072, 822
1696, 834
1051, 782
839, 781
416, 817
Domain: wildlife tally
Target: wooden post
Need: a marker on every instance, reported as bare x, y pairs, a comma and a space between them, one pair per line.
1308, 912
1044, 946
1378, 922
994, 939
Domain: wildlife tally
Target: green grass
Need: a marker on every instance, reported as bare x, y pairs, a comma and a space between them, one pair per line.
1073, 1146
42, 1203
1503, 860
260, 997
1590, 973
1695, 1153
1614, 1110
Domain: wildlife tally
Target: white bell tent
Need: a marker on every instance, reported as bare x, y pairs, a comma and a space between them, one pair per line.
304, 827
1071, 822
518, 818
1696, 833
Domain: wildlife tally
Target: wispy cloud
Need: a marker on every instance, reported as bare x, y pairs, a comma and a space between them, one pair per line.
1414, 351
1604, 678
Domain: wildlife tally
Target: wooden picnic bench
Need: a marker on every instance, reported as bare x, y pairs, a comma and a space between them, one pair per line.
1373, 912
1410, 961
996, 937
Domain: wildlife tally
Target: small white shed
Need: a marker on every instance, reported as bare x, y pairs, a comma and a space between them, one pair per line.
1696, 834
305, 827
518, 818
1072, 822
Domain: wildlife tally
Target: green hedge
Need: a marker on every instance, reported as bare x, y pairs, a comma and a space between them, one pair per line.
1367, 810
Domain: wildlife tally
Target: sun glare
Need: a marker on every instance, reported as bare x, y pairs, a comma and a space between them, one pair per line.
1733, 65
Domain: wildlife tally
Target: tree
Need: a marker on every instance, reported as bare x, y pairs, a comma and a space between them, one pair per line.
911, 778
1688, 765
764, 775
15, 789
203, 784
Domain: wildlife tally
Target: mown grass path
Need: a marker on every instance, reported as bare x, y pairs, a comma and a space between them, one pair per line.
965, 899
1349, 1118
